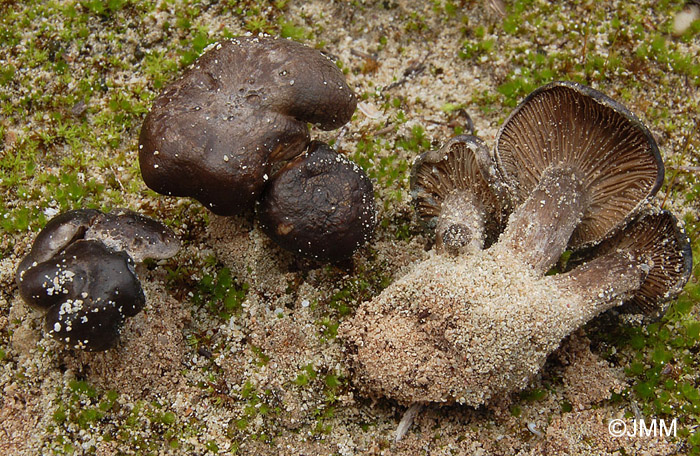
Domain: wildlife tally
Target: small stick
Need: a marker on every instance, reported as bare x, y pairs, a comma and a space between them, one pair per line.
407, 420
384, 130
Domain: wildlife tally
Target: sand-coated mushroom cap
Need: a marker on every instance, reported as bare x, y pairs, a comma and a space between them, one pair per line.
656, 238
215, 133
462, 172
88, 290
321, 205
606, 149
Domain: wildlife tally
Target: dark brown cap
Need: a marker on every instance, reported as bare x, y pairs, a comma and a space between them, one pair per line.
215, 133
80, 272
607, 149
87, 291
320, 205
139, 236
60, 231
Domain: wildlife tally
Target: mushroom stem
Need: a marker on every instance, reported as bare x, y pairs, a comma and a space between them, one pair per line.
539, 230
460, 226
606, 281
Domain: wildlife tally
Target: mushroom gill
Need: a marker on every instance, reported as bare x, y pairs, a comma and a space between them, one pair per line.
578, 164
454, 192
465, 327
653, 238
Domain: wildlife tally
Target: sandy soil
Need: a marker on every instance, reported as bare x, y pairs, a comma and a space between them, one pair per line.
273, 379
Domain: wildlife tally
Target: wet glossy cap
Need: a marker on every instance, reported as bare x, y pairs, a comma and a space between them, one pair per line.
58, 233
87, 291
215, 133
139, 236
80, 271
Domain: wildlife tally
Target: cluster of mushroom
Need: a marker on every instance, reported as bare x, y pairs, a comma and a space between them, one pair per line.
233, 130
571, 170
80, 272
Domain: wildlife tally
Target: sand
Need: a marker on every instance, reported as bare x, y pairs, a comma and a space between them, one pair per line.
274, 378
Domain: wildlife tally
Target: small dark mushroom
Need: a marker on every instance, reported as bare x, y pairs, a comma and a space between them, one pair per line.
80, 272
453, 192
653, 240
87, 291
215, 133
321, 205
579, 164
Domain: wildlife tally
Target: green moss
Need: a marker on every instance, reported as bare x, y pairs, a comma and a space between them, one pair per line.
262, 358
68, 131
368, 281
296, 33
82, 409
566, 407
662, 366
329, 328
533, 395
220, 293
474, 49
516, 411
306, 374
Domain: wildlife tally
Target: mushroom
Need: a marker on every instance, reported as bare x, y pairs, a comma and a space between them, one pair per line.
320, 205
453, 192
216, 133
87, 290
655, 239
465, 328
60, 231
578, 164
80, 272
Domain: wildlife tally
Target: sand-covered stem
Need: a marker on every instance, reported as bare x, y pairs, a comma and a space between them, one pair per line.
461, 224
540, 228
603, 280
466, 328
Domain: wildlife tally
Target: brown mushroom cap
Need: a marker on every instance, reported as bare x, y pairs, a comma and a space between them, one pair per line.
656, 239
121, 230
321, 205
454, 191
214, 133
87, 291
610, 154
80, 273
141, 237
